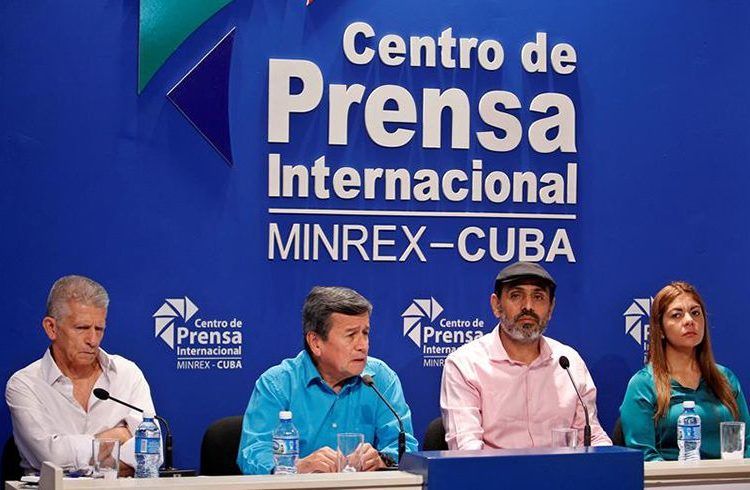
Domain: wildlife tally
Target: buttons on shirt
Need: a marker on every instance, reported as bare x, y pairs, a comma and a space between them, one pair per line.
334, 425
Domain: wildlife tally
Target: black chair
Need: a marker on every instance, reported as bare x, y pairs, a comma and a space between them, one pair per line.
220, 445
11, 461
434, 437
618, 438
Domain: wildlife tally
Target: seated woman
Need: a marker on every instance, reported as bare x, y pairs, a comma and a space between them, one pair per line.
680, 367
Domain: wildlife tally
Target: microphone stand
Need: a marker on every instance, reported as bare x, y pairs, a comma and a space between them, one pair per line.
367, 379
565, 364
166, 468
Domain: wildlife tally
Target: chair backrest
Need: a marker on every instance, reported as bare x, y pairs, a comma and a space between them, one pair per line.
11, 461
618, 438
434, 437
220, 445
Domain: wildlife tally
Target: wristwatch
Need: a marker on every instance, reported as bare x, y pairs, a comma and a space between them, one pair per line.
387, 460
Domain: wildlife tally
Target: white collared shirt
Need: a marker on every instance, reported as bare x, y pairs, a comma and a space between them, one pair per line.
50, 425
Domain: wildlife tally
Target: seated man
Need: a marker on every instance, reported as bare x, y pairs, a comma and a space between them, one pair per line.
54, 412
507, 389
322, 388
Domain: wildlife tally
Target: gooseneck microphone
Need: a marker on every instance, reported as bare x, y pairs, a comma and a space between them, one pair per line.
367, 379
565, 364
103, 394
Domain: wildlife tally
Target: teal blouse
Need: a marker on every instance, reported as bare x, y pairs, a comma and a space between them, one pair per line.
658, 441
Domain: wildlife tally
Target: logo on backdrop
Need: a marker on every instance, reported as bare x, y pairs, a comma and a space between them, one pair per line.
435, 334
636, 322
198, 342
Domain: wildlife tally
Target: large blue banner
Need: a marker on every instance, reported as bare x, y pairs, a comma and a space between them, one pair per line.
408, 149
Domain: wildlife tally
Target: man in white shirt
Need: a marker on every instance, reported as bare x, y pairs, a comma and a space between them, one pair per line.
54, 412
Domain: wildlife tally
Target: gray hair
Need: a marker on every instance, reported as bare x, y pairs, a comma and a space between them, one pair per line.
322, 301
79, 289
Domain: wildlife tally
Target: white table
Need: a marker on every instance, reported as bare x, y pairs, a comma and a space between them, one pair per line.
382, 480
700, 475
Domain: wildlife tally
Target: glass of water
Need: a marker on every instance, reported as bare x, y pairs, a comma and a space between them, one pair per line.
106, 458
732, 440
349, 458
564, 437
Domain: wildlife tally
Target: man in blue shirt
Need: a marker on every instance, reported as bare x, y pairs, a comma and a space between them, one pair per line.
323, 389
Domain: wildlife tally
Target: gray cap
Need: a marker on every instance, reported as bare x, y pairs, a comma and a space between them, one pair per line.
524, 270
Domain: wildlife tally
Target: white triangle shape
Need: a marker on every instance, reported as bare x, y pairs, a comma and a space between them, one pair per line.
168, 336
636, 333
645, 304
413, 310
160, 323
165, 310
634, 309
178, 304
436, 309
425, 305
190, 308
416, 334
410, 322
630, 321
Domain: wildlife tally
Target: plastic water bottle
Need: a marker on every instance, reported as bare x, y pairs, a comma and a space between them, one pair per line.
689, 433
147, 447
285, 445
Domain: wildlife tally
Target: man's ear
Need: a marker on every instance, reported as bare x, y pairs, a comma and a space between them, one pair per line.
50, 327
551, 309
313, 342
495, 305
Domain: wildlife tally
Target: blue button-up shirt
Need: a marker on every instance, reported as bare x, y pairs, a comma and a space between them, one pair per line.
319, 413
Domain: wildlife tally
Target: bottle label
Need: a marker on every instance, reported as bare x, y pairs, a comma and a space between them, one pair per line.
690, 432
147, 445
285, 446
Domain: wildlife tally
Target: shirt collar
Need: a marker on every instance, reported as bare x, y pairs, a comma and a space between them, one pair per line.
312, 375
498, 353
51, 372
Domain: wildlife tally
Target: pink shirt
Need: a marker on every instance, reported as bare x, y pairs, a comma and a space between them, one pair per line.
489, 400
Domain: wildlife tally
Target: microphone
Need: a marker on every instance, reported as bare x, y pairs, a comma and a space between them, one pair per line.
565, 364
167, 469
367, 379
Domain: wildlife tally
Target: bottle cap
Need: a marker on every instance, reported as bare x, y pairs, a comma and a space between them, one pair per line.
688, 404
148, 414
285, 415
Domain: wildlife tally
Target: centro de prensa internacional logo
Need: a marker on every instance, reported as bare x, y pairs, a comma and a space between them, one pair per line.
198, 343
636, 322
436, 334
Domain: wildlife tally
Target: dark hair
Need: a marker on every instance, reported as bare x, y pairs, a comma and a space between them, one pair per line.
322, 301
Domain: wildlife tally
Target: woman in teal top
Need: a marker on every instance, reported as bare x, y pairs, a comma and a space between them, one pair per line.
680, 367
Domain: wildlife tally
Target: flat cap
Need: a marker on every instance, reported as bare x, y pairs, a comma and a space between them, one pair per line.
523, 270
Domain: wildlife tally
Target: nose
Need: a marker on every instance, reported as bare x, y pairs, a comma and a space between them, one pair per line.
92, 338
528, 304
362, 344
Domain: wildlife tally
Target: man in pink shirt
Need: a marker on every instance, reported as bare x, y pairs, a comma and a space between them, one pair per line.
507, 389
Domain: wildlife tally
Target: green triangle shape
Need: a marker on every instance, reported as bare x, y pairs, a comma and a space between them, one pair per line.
163, 26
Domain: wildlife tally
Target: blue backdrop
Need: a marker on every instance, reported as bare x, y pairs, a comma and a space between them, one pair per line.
101, 181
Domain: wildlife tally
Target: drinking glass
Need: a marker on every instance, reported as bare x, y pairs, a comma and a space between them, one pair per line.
564, 438
106, 458
349, 458
732, 440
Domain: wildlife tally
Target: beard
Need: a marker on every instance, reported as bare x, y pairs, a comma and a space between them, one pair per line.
524, 330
